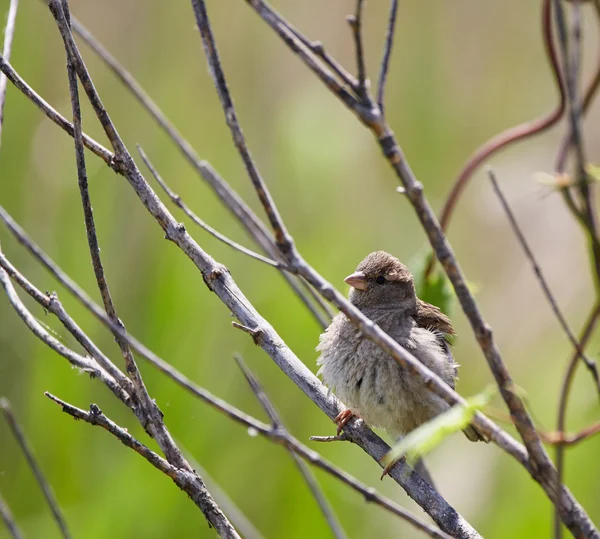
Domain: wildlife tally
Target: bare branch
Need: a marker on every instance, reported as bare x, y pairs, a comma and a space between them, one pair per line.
586, 333
9, 521
277, 424
591, 365
542, 468
355, 22
564, 439
226, 194
387, 53
35, 467
588, 98
9, 32
221, 282
52, 114
239, 520
62, 17
85, 364
51, 303
570, 60
186, 480
282, 237
176, 199
514, 134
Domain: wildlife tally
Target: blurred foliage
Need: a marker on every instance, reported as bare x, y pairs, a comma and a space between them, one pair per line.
461, 72
417, 443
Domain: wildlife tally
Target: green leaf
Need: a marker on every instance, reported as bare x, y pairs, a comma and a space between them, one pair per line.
434, 289
429, 435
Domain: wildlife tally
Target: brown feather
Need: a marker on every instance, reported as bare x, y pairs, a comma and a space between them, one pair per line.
429, 316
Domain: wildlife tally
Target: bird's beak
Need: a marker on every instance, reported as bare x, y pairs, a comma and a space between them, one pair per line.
357, 280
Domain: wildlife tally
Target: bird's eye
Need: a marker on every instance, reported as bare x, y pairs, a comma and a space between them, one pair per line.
380, 279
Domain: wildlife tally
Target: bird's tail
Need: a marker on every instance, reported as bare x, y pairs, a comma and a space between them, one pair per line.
475, 435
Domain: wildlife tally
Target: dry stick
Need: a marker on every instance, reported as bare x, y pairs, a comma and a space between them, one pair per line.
84, 363
314, 458
387, 53
9, 521
586, 333
240, 521
220, 281
277, 424
541, 469
9, 32
106, 155
176, 199
51, 303
572, 439
233, 413
512, 135
567, 141
571, 68
151, 417
367, 326
220, 405
183, 478
35, 468
591, 365
226, 194
282, 237
355, 22
588, 99
361, 435
62, 18
319, 51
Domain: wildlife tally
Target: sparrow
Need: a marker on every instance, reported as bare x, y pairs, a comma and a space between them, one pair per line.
365, 377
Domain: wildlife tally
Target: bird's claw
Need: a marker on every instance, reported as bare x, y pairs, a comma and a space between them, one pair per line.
342, 418
387, 469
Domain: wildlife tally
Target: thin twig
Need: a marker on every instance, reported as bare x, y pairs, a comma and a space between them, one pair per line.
9, 32
84, 363
541, 468
561, 438
221, 282
106, 155
355, 22
586, 333
9, 521
282, 237
185, 479
588, 98
51, 303
176, 199
570, 60
239, 520
277, 424
62, 17
226, 194
35, 467
512, 135
387, 53
537, 270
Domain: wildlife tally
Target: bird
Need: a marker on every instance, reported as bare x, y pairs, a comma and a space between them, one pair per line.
366, 378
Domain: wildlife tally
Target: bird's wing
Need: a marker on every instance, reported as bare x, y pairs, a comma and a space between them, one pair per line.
430, 317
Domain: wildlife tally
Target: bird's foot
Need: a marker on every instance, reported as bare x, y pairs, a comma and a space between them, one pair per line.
342, 418
388, 468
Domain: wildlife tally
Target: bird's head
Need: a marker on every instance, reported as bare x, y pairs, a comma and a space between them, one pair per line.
381, 281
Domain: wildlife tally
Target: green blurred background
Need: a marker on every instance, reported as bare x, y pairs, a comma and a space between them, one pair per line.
461, 72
